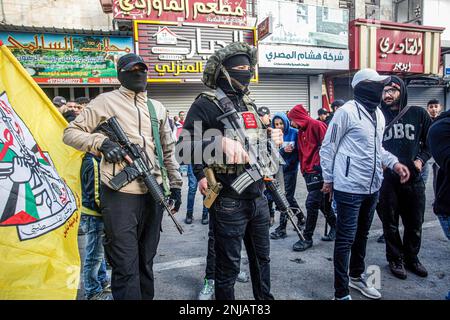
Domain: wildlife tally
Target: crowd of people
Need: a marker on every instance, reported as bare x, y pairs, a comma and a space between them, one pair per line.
371, 153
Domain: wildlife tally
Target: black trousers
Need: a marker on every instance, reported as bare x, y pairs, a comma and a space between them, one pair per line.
132, 230
315, 201
232, 221
408, 202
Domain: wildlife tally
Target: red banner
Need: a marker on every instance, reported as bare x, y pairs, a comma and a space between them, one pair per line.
221, 12
400, 51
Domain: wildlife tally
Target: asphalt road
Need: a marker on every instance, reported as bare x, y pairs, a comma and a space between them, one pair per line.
181, 259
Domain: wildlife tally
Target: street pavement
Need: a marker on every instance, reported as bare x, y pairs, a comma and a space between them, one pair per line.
180, 262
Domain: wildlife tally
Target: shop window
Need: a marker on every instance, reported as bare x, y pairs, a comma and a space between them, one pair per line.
79, 92
50, 92
107, 89
93, 92
65, 92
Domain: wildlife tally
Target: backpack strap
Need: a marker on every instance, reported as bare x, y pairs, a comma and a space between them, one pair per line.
398, 117
158, 147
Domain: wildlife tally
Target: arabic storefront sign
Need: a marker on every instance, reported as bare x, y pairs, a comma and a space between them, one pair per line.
399, 51
302, 24
178, 53
270, 56
394, 47
68, 59
265, 28
221, 12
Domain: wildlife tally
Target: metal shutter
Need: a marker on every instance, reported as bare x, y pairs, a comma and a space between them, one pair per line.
420, 95
176, 97
280, 92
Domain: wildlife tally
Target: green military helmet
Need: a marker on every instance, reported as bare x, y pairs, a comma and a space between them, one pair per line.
214, 63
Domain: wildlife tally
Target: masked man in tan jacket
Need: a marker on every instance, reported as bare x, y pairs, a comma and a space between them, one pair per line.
131, 217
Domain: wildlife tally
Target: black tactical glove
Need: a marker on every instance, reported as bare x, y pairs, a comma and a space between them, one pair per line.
175, 196
112, 151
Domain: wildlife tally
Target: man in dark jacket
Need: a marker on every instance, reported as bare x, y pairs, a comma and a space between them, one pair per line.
406, 139
235, 217
311, 133
439, 142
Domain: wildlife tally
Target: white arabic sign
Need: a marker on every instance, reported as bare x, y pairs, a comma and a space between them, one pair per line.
296, 57
302, 24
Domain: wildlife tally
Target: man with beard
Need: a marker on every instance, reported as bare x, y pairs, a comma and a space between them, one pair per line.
406, 138
132, 219
234, 216
352, 160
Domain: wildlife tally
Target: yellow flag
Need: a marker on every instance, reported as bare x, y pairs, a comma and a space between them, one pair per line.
40, 184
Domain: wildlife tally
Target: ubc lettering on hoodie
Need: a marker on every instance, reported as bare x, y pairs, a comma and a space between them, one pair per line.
407, 138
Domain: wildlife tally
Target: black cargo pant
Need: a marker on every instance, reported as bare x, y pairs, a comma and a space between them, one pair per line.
408, 202
132, 229
232, 221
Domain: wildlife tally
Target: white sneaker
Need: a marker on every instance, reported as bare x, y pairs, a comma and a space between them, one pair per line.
347, 297
207, 291
361, 285
242, 277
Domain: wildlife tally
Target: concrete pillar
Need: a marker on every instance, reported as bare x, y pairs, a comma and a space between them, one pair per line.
315, 94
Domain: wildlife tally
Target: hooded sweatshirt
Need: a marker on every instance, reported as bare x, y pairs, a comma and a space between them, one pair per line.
310, 136
407, 138
439, 142
290, 135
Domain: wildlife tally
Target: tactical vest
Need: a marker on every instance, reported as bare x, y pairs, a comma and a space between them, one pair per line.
256, 135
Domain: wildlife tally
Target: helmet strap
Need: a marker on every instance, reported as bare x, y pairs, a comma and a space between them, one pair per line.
233, 82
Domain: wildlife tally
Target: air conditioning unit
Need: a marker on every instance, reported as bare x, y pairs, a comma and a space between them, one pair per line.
107, 6
372, 12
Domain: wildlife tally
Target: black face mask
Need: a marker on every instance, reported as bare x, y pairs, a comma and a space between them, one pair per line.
133, 80
369, 94
242, 76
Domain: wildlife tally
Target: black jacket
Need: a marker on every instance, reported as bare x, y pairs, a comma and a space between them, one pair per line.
407, 138
204, 111
439, 141
90, 185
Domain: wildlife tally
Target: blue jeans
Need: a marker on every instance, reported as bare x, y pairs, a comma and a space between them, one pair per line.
94, 269
192, 183
354, 218
445, 224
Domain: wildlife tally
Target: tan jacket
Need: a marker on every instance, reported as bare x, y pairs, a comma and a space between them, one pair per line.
132, 114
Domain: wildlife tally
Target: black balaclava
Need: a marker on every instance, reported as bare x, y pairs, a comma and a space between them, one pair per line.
242, 76
403, 98
369, 93
133, 80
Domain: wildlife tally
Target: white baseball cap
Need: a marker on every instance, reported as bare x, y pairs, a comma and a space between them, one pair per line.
367, 75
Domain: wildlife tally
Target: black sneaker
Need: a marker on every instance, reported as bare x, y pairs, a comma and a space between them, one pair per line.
331, 236
188, 219
205, 219
279, 233
398, 269
417, 268
301, 245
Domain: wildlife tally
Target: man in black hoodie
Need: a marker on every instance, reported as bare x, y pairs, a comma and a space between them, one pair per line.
439, 142
406, 139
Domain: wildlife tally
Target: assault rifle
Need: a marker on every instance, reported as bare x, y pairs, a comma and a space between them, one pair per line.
257, 169
138, 166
